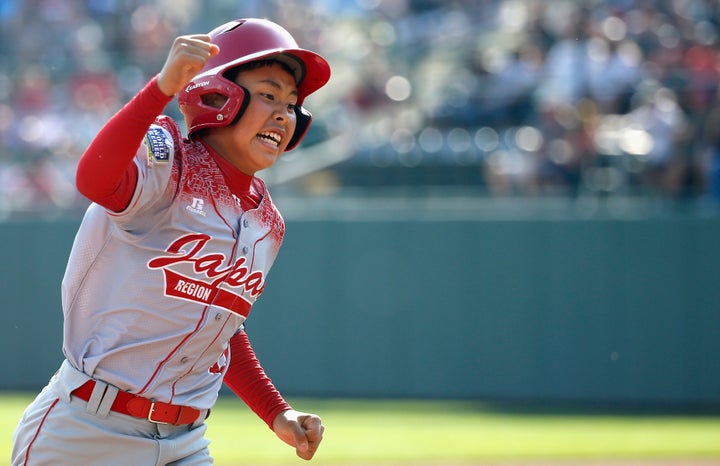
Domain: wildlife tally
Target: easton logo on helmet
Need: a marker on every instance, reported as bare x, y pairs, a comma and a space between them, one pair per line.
196, 85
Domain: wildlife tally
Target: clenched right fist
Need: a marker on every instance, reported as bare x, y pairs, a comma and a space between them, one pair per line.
186, 58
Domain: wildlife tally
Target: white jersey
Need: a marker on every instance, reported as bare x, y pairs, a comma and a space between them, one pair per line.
152, 295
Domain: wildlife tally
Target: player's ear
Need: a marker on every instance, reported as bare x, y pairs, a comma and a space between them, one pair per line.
302, 123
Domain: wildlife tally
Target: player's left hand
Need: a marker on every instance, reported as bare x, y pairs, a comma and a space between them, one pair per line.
300, 430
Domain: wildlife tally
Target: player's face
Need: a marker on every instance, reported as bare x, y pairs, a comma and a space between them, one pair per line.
263, 132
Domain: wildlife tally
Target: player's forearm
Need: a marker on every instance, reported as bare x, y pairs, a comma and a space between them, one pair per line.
107, 163
247, 379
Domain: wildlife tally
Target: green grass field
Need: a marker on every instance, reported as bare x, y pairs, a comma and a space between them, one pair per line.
442, 433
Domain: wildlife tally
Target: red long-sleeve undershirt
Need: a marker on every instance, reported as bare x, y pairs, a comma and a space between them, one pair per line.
247, 379
107, 175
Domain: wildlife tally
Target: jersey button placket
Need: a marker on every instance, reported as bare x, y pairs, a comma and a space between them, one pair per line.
245, 223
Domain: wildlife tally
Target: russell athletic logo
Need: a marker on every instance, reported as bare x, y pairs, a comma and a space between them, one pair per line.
197, 206
189, 250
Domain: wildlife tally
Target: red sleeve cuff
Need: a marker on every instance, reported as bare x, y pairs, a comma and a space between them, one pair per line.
154, 90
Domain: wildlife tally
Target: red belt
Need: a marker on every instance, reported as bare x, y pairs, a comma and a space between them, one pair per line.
137, 406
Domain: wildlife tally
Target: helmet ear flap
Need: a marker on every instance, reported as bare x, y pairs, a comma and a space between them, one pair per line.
243, 104
200, 111
302, 123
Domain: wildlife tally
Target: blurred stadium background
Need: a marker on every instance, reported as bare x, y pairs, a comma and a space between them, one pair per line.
489, 98
498, 199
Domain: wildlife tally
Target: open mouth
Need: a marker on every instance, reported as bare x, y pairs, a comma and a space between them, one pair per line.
270, 137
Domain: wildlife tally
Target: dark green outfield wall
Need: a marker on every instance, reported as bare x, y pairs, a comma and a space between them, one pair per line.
605, 311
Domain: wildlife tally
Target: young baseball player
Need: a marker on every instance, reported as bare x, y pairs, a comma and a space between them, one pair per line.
170, 257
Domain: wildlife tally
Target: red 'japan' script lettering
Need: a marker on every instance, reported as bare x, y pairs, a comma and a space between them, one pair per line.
212, 264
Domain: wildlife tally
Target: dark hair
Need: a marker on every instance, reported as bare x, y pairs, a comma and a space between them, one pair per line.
233, 73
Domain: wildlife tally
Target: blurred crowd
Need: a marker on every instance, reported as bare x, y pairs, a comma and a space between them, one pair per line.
501, 97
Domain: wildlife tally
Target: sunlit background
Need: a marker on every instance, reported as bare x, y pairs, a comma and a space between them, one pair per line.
484, 99
512, 201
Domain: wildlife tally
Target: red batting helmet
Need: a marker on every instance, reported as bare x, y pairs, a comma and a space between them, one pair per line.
243, 41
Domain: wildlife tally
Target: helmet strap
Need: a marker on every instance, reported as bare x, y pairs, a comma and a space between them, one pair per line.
243, 105
302, 123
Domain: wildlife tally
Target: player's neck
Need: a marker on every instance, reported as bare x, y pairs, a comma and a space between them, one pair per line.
237, 181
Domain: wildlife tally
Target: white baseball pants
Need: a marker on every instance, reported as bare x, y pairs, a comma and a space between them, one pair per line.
62, 430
